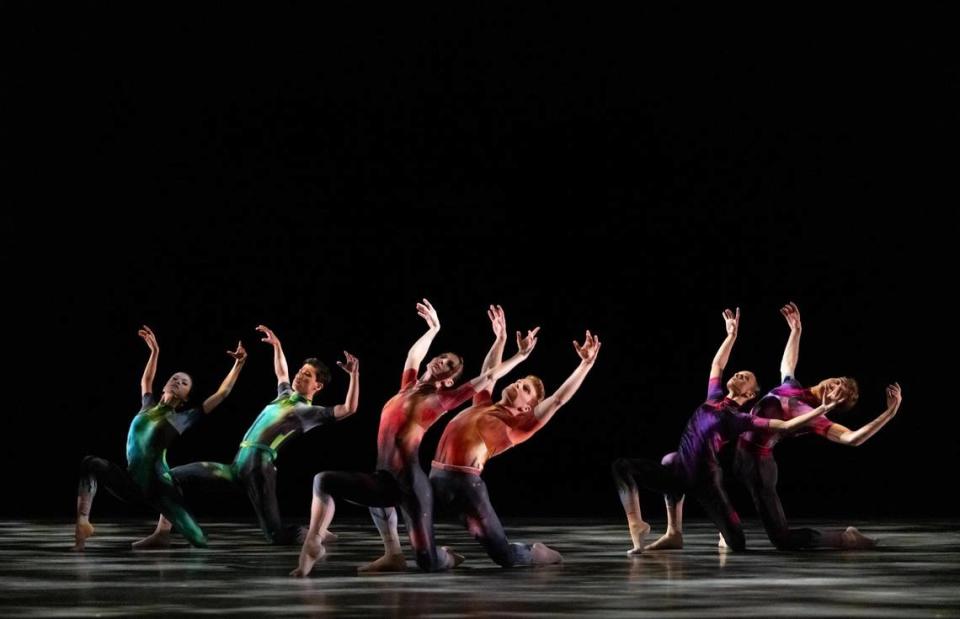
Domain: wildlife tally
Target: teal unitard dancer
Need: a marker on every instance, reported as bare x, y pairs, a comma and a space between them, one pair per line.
147, 478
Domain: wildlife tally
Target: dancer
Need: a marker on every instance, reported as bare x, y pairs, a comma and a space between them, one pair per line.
399, 479
487, 429
756, 467
481, 432
147, 478
694, 468
254, 468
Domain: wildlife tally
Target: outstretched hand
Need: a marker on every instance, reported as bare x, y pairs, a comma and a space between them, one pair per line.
526, 344
591, 347
350, 364
269, 336
830, 399
147, 334
426, 311
894, 396
240, 354
498, 321
791, 313
732, 321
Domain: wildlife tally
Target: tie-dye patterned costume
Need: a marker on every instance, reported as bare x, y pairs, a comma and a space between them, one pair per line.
254, 467
756, 467
399, 479
147, 478
694, 469
468, 442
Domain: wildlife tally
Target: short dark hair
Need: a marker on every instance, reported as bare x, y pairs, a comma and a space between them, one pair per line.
323, 372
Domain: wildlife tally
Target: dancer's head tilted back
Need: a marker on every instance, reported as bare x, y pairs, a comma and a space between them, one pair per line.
743, 384
176, 391
445, 369
841, 388
524, 394
311, 378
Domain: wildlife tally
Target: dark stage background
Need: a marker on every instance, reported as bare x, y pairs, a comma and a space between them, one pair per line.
634, 175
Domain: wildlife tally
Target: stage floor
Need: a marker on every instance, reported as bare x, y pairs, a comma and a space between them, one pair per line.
915, 571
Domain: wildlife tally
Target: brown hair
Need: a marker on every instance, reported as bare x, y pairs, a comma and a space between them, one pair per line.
537, 386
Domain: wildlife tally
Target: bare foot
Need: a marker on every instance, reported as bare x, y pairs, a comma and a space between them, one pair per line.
157, 539
311, 552
328, 537
386, 563
638, 533
671, 540
854, 539
544, 555
81, 532
456, 556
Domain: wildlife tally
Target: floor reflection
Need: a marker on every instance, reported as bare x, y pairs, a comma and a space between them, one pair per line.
914, 571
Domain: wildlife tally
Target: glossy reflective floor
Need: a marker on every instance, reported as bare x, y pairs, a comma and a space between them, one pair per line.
914, 572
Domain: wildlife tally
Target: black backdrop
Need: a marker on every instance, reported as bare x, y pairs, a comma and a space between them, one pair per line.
319, 173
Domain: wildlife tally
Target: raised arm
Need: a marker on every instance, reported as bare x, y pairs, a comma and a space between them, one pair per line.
150, 371
732, 321
525, 346
420, 348
239, 358
854, 438
279, 360
350, 365
791, 352
498, 322
545, 410
801, 420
